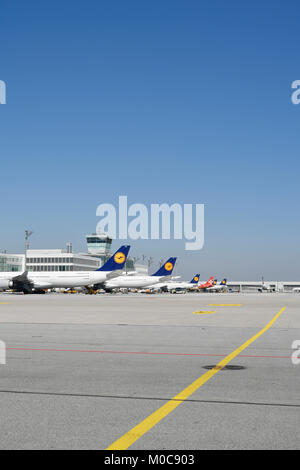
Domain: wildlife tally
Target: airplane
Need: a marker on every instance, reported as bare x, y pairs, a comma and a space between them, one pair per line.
139, 281
37, 282
180, 285
218, 287
207, 284
264, 287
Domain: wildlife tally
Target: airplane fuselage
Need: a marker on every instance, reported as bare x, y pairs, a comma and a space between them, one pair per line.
49, 280
132, 282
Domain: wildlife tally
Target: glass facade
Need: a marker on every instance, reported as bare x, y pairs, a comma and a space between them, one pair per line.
44, 268
61, 262
42, 260
11, 263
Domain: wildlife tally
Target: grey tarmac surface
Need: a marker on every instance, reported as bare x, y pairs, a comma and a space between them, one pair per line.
83, 370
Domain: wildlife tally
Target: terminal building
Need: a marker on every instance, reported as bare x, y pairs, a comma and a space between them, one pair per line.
65, 260
57, 260
11, 263
60, 260
254, 286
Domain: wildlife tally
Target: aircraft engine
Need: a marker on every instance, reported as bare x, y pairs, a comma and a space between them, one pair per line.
5, 284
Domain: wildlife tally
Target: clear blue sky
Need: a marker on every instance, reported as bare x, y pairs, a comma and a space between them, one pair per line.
163, 101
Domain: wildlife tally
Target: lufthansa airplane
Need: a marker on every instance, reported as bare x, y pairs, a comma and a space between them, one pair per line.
179, 285
36, 282
140, 281
218, 287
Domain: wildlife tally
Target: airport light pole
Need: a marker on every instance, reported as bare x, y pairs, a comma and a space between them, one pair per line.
28, 233
135, 258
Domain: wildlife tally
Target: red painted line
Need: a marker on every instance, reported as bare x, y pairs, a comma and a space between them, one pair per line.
139, 352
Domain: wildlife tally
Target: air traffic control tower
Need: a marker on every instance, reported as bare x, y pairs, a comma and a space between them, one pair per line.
99, 245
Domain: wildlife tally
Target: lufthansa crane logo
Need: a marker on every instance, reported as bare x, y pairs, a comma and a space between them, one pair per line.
196, 278
119, 257
168, 266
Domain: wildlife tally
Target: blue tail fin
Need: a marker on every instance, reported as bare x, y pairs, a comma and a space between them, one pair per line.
195, 279
215, 282
167, 268
117, 260
224, 282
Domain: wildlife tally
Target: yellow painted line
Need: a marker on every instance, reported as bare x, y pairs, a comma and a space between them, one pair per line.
2, 303
203, 312
125, 441
224, 305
